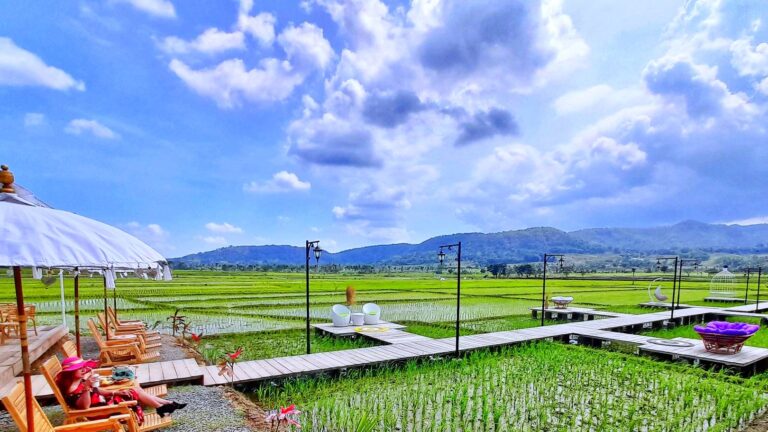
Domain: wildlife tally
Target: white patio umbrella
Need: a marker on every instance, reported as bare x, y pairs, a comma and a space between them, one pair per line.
35, 235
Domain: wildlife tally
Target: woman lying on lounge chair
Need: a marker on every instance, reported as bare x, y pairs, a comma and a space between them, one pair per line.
76, 385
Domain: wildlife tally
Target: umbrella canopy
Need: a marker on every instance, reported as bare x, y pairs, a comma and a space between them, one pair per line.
45, 237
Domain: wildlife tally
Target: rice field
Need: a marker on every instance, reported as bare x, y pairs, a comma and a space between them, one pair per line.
538, 387
253, 302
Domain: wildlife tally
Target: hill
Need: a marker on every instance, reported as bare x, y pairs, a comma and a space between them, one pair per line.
524, 245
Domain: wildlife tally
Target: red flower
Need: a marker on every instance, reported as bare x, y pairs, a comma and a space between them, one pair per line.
288, 410
196, 337
233, 356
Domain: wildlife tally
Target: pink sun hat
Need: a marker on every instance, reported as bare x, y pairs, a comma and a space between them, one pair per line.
70, 364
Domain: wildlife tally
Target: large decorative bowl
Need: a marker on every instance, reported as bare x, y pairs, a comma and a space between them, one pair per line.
723, 337
561, 302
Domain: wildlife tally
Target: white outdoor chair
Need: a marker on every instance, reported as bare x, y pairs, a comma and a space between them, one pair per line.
659, 296
340, 315
372, 313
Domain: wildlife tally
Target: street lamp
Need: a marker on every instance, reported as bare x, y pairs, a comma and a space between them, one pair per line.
683, 262
633, 275
544, 280
749, 271
313, 246
674, 279
441, 258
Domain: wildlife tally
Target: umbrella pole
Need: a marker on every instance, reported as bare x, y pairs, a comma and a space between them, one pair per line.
106, 316
63, 304
24, 347
114, 301
77, 310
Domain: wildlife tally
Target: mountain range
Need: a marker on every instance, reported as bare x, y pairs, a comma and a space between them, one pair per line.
517, 246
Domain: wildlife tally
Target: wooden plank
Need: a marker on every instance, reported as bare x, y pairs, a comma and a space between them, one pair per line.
169, 371
156, 372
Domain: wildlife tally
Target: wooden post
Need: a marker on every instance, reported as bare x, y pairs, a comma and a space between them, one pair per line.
77, 311
106, 315
24, 347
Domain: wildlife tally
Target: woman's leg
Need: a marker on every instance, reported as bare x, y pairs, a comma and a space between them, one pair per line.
149, 400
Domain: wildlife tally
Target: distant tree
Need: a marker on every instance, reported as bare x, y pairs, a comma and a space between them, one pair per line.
524, 270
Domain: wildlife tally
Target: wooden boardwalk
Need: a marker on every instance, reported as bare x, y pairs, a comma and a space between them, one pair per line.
748, 307
574, 313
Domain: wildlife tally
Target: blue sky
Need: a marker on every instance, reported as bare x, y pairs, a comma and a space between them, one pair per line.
198, 124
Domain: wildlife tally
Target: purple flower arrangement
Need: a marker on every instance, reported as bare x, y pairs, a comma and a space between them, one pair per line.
725, 337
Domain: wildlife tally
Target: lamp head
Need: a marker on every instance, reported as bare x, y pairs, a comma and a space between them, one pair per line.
317, 252
441, 256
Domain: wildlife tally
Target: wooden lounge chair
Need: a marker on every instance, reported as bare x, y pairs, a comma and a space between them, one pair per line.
146, 343
148, 336
69, 349
151, 420
118, 322
16, 405
50, 369
115, 351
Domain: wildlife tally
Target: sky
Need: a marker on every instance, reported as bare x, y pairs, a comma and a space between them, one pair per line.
198, 124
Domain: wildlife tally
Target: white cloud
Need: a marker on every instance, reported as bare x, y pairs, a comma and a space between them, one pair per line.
261, 27
156, 8
214, 240
223, 228
762, 87
749, 60
229, 83
756, 220
81, 126
34, 120
211, 41
19, 67
601, 97
282, 181
153, 234
306, 47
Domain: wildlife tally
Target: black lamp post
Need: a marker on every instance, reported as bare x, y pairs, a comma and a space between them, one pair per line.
441, 258
683, 262
633, 275
544, 280
313, 246
757, 301
749, 271
674, 279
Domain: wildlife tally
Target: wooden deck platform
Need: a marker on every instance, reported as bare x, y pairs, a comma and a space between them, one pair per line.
349, 330
748, 358
10, 351
184, 371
